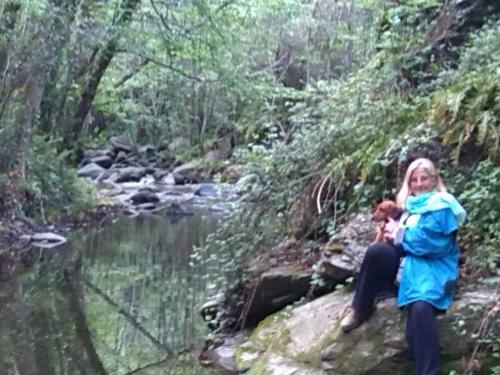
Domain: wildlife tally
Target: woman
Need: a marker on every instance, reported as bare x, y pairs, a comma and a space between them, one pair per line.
426, 237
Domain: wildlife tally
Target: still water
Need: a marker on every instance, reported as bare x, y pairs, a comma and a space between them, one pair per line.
120, 300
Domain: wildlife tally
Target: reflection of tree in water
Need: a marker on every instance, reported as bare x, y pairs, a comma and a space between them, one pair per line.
129, 305
43, 324
16, 348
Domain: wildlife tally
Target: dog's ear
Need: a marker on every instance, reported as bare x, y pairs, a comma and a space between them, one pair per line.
394, 210
380, 212
384, 210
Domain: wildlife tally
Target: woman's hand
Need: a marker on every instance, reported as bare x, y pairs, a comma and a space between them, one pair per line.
389, 228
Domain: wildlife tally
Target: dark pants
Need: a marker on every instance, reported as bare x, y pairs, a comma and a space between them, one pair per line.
421, 334
376, 278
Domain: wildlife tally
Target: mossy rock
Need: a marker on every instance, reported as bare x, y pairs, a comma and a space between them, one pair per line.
307, 339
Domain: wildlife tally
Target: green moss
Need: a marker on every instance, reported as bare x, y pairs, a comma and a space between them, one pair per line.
260, 367
270, 336
244, 364
271, 332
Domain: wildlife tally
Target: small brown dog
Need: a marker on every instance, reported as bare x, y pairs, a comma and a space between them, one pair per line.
385, 210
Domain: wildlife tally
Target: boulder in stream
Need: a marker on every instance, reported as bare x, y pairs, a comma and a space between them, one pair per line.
91, 170
130, 174
206, 190
144, 196
118, 144
104, 161
47, 239
190, 171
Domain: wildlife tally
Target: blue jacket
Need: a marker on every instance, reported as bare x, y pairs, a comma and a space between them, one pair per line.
430, 266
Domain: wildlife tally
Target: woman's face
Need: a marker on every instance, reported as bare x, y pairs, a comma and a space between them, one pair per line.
421, 182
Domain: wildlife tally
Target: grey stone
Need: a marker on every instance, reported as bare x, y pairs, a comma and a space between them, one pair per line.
130, 174
234, 172
121, 157
144, 196
118, 144
206, 190
104, 161
352, 240
309, 335
190, 171
91, 170
47, 240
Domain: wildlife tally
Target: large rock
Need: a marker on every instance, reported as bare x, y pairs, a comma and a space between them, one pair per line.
234, 172
346, 249
118, 144
144, 196
175, 179
104, 161
130, 174
121, 157
190, 171
91, 170
206, 190
274, 290
281, 276
47, 239
88, 155
307, 339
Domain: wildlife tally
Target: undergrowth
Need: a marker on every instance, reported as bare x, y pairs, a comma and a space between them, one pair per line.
354, 136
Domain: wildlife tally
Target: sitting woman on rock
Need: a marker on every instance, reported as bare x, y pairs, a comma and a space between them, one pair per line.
426, 239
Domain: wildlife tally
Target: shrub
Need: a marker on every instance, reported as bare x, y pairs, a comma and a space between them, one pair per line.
481, 232
54, 188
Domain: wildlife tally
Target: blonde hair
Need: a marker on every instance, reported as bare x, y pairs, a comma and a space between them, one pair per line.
429, 168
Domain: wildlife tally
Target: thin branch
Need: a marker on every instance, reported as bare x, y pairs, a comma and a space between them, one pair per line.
131, 319
220, 8
130, 74
162, 19
160, 362
247, 306
164, 360
168, 66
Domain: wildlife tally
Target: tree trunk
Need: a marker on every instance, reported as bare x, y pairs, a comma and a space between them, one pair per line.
105, 55
14, 315
72, 291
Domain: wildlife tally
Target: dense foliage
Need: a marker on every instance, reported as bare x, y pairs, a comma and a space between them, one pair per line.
320, 98
354, 135
323, 103
74, 73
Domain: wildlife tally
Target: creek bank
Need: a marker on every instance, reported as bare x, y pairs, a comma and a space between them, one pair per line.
129, 181
290, 271
274, 337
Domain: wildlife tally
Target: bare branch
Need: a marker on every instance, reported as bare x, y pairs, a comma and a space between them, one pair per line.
162, 19
168, 66
131, 319
130, 74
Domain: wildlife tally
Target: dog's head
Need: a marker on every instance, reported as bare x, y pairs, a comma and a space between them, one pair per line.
385, 210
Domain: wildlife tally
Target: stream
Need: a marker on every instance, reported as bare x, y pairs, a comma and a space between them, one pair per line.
122, 300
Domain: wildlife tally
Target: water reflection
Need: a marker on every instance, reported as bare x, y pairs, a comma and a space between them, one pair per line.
121, 300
